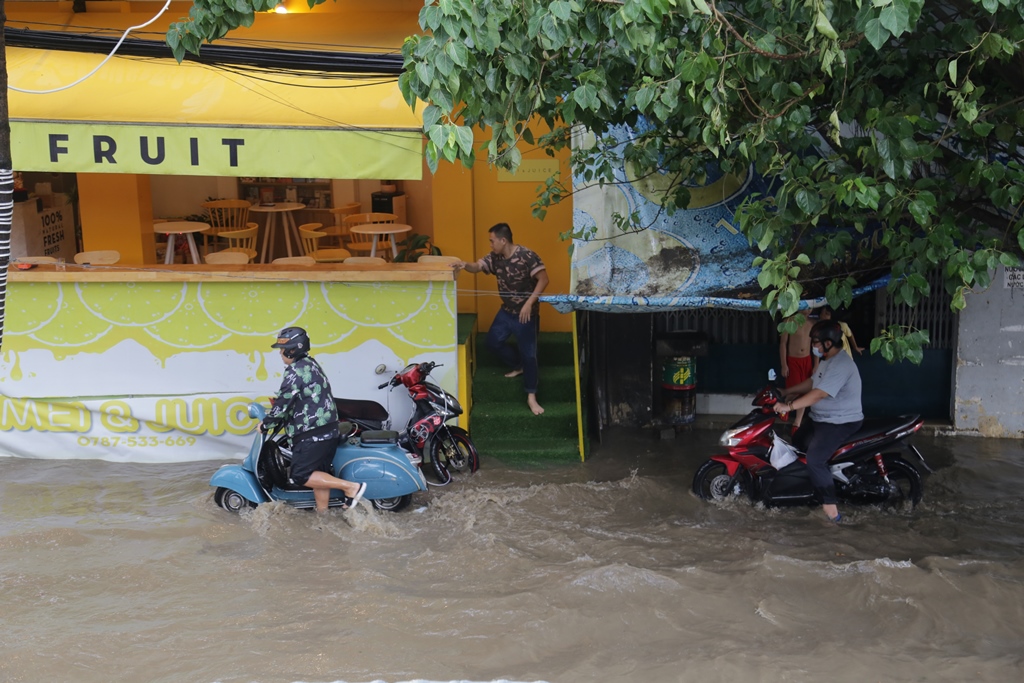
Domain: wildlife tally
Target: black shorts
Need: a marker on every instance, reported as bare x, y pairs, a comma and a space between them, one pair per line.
313, 451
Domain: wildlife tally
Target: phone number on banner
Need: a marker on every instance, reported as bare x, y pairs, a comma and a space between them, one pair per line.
136, 441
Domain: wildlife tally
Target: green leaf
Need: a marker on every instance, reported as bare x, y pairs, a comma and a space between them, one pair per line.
951, 69
824, 26
431, 116
876, 34
644, 97
896, 17
464, 135
561, 9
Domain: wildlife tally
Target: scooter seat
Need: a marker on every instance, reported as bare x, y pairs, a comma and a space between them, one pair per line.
349, 408
879, 426
379, 437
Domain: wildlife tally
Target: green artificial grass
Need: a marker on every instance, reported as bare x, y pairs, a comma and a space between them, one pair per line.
503, 427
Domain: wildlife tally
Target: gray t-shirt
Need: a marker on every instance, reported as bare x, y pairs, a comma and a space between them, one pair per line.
839, 378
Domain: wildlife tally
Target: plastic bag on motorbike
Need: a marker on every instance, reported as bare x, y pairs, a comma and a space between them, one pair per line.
781, 454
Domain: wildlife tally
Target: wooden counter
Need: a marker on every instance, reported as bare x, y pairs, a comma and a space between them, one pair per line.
325, 272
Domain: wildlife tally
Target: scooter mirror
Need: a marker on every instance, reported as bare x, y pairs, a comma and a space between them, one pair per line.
380, 369
771, 375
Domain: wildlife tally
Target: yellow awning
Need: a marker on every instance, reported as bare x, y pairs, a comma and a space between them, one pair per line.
155, 116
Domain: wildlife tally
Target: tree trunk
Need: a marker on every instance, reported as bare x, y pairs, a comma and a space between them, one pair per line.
6, 175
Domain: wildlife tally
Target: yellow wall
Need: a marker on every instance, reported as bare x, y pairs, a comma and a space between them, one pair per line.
497, 201
468, 202
117, 213
454, 232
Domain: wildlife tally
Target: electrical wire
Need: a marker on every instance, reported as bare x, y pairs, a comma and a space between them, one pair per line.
98, 66
323, 64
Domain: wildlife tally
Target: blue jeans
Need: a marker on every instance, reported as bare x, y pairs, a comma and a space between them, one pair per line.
506, 325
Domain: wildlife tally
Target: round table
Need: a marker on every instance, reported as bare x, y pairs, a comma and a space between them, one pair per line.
273, 211
186, 228
381, 229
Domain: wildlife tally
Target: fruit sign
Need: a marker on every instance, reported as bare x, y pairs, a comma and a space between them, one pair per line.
163, 371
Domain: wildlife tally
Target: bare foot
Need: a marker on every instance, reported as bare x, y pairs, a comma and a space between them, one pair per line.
514, 373
531, 400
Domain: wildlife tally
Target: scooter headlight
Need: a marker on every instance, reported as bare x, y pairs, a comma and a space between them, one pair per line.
730, 437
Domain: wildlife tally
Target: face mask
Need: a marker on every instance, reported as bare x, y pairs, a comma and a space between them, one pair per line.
817, 352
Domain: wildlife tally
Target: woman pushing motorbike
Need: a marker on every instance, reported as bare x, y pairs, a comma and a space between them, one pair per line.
305, 405
833, 394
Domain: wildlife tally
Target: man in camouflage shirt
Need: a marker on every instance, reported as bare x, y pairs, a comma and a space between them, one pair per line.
305, 406
521, 280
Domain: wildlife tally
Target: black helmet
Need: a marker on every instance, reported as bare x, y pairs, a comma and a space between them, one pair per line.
827, 331
294, 341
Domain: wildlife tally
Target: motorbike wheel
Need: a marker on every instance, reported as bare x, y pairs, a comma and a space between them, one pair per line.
392, 504
712, 482
439, 470
905, 480
454, 448
232, 501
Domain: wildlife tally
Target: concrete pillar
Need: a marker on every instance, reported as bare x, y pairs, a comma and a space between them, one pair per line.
989, 381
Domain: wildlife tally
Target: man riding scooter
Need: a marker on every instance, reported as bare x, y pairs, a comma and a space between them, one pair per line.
833, 394
305, 406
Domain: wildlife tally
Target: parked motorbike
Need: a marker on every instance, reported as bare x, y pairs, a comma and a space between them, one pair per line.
427, 435
372, 457
867, 468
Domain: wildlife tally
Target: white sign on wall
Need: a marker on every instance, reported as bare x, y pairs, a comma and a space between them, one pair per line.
1013, 277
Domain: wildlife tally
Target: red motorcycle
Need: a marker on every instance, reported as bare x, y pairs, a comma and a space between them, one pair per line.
760, 464
427, 435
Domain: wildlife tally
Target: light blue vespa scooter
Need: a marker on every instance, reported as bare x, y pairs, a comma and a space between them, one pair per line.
390, 474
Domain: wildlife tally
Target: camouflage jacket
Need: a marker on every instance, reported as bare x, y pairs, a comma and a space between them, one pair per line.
304, 401
517, 277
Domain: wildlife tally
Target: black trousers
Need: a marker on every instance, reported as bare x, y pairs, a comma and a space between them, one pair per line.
819, 440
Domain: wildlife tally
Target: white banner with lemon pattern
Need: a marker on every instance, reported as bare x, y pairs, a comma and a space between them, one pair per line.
163, 371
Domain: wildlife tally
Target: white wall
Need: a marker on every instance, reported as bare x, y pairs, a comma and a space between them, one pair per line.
176, 196
989, 373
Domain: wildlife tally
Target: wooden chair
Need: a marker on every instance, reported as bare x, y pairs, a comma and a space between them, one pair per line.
376, 260
104, 257
363, 244
339, 231
243, 241
221, 257
34, 259
437, 258
294, 261
225, 214
310, 237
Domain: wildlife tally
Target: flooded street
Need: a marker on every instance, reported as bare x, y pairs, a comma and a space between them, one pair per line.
605, 571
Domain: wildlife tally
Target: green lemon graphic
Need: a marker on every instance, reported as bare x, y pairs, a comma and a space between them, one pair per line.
250, 308
377, 304
654, 186
32, 306
75, 326
189, 327
323, 324
433, 326
132, 304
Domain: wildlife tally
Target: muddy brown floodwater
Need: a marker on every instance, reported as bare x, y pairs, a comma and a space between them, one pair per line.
605, 571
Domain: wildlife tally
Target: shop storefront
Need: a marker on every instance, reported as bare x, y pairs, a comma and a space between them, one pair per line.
150, 362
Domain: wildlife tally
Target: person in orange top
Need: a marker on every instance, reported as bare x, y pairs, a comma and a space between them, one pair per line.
849, 341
